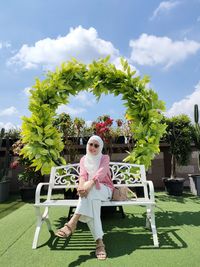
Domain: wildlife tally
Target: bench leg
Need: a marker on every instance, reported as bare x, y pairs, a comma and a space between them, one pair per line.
40, 220
148, 217
122, 211
45, 217
153, 227
38, 227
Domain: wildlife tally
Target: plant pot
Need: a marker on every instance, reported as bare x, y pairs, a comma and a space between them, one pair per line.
4, 190
120, 140
174, 186
27, 193
194, 184
85, 140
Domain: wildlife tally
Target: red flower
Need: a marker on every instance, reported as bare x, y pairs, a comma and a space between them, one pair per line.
109, 121
103, 128
14, 164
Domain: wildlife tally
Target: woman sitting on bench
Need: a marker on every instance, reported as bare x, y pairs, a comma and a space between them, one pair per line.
95, 185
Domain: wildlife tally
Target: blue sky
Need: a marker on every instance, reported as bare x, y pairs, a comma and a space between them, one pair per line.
158, 38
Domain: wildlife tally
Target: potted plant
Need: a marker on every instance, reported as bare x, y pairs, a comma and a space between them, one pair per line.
178, 136
87, 131
103, 128
128, 134
4, 167
65, 125
28, 178
78, 127
195, 177
120, 139
13, 134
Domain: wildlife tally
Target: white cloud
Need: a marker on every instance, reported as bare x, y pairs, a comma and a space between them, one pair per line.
26, 91
164, 7
86, 99
72, 111
9, 111
5, 44
82, 44
152, 50
186, 105
88, 123
9, 125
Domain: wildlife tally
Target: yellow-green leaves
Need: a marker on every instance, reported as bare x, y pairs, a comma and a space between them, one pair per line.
43, 143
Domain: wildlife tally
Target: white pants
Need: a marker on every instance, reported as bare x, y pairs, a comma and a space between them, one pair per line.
90, 209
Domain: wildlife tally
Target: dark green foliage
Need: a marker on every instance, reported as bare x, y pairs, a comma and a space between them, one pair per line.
196, 131
178, 135
5, 162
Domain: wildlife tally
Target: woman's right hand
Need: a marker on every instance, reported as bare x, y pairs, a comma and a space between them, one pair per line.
84, 188
81, 190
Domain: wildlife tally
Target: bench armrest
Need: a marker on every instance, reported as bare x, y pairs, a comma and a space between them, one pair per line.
37, 192
151, 190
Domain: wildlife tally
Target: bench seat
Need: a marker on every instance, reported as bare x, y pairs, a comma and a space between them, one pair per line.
73, 203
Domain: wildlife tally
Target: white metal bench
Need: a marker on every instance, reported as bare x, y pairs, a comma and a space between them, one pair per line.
63, 177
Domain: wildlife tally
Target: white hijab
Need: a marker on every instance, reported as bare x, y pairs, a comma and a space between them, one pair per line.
92, 162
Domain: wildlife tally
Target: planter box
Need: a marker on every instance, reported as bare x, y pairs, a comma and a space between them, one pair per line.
194, 184
4, 190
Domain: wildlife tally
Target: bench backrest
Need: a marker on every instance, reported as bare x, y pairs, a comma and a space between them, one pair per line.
121, 173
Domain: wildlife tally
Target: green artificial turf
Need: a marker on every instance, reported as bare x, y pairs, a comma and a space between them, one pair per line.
128, 243
9, 206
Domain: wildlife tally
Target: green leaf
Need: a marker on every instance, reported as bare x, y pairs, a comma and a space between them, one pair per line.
46, 168
49, 142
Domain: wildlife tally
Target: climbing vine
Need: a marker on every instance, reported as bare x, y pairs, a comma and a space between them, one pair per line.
43, 142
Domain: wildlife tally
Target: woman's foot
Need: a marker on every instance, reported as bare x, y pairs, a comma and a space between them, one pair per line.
67, 230
100, 250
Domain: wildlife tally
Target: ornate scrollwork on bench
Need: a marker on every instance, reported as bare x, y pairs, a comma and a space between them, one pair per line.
125, 174
121, 174
67, 175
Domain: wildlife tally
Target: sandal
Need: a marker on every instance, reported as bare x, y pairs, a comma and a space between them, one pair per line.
100, 252
65, 233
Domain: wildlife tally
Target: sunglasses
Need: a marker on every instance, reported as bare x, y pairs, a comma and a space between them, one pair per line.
94, 145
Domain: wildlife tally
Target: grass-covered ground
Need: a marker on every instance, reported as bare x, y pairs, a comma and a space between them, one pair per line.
128, 243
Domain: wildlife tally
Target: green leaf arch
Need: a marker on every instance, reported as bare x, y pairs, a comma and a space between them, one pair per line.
42, 141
